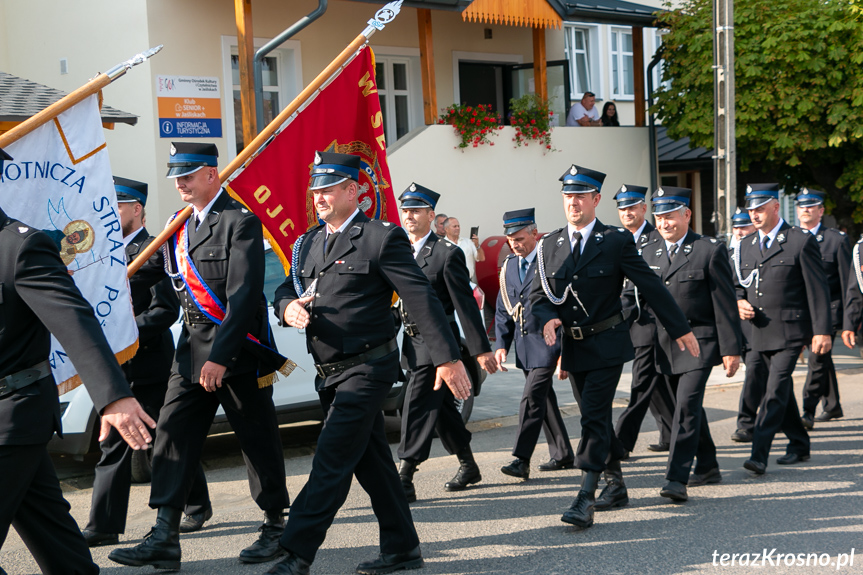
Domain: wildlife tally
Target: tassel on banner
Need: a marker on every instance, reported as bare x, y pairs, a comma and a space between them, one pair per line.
122, 357
271, 378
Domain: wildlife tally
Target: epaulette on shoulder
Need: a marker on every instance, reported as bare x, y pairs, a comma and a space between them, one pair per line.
551, 233
510, 256
19, 228
447, 243
621, 230
835, 231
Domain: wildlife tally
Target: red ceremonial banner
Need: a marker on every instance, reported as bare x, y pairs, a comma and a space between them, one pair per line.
346, 118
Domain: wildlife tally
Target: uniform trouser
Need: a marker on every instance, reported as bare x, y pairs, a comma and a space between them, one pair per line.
821, 384
754, 385
427, 411
33, 503
113, 480
690, 434
594, 392
649, 389
539, 410
778, 409
184, 422
352, 442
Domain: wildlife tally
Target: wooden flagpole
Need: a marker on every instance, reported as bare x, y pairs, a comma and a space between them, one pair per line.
382, 17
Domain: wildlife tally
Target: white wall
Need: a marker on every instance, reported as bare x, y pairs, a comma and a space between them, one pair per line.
480, 184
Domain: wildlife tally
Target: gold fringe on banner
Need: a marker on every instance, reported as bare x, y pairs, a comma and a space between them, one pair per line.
529, 13
122, 357
268, 380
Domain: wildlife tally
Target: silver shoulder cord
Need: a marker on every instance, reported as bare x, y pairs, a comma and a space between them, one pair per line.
753, 275
517, 311
295, 257
856, 257
176, 278
547, 288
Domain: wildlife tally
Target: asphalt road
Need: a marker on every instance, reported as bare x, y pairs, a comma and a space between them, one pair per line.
503, 525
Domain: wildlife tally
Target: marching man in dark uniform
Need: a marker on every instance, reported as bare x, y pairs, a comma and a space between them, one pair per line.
577, 288
755, 380
38, 298
217, 264
340, 292
428, 410
821, 383
853, 308
783, 292
515, 324
697, 273
156, 310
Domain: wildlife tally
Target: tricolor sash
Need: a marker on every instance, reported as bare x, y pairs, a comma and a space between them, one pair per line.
269, 360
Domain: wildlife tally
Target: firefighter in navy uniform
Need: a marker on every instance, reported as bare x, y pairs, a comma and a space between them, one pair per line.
697, 273
156, 310
782, 290
217, 263
516, 325
340, 292
428, 411
38, 298
581, 269
853, 308
821, 384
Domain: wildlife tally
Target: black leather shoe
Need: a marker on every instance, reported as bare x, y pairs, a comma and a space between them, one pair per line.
555, 465
518, 468
674, 490
755, 467
808, 420
389, 562
195, 521
291, 565
407, 468
742, 436
467, 474
95, 539
267, 547
828, 415
662, 446
580, 513
792, 458
707, 478
160, 548
612, 496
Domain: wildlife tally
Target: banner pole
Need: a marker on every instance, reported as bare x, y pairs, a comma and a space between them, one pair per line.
66, 102
382, 17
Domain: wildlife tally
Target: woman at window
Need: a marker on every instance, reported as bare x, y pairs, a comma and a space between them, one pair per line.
609, 115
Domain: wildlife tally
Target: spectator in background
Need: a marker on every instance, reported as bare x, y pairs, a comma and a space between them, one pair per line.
609, 115
438, 225
584, 113
472, 252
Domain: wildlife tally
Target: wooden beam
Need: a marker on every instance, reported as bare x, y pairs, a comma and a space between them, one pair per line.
246, 48
427, 65
540, 72
638, 73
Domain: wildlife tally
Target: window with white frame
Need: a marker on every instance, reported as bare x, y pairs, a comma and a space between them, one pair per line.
270, 67
578, 52
394, 76
622, 84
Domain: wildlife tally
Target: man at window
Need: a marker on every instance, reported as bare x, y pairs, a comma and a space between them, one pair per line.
584, 113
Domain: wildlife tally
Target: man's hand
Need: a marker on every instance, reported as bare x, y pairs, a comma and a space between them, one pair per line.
296, 314
455, 377
821, 344
689, 343
584, 120
745, 309
549, 332
127, 417
500, 358
731, 363
487, 362
849, 338
561, 373
211, 375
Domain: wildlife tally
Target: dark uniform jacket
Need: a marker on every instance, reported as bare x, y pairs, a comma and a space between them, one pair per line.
609, 255
156, 309
699, 279
791, 297
443, 263
853, 304
37, 294
745, 326
351, 313
530, 348
228, 251
836, 257
642, 328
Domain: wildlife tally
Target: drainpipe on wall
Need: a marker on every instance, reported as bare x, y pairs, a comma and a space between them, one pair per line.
654, 160
272, 45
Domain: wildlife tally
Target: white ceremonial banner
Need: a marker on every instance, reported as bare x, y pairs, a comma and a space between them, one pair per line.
60, 182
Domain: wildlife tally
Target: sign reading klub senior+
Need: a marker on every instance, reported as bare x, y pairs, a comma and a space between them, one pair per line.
189, 107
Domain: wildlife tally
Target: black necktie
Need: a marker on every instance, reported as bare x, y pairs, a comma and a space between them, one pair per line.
672, 252
522, 269
576, 249
329, 242
764, 241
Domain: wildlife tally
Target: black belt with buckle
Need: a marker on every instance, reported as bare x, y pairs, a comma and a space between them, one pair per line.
339, 367
25, 377
412, 330
193, 317
580, 332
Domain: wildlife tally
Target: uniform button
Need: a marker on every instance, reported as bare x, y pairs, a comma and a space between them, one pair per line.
601, 271
316, 316
314, 338
367, 346
760, 295
350, 268
575, 307
761, 309
302, 271
575, 277
321, 274
668, 283
521, 296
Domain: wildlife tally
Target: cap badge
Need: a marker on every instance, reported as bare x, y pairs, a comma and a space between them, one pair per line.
573, 170
317, 158
623, 188
748, 189
413, 187
173, 150
660, 192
